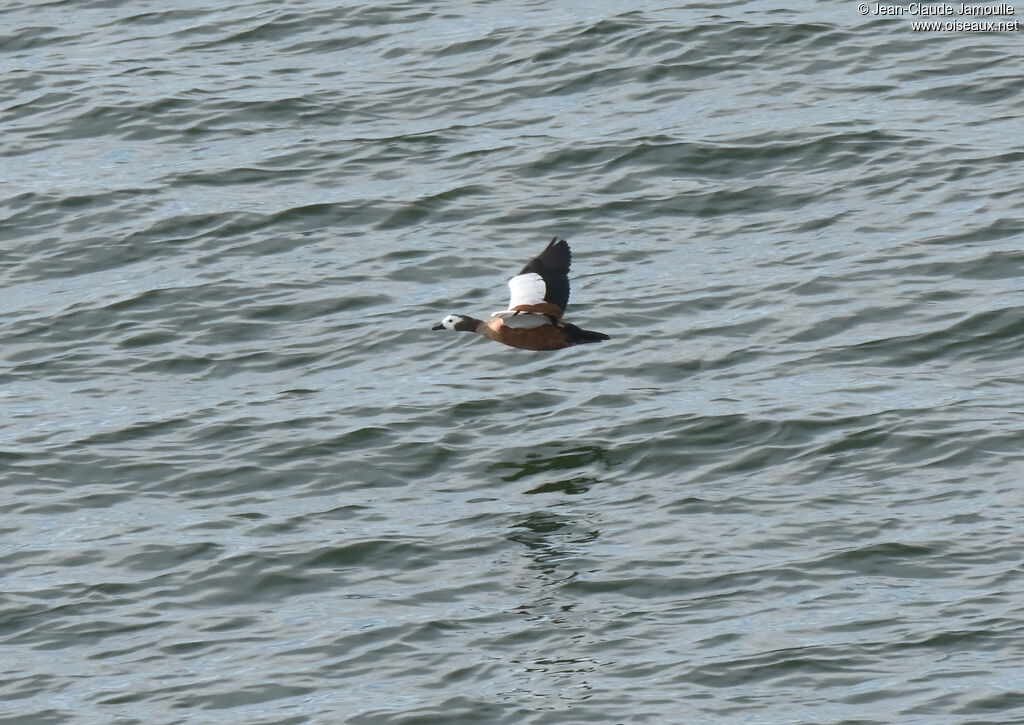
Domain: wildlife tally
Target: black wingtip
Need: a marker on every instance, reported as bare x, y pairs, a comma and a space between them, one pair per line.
553, 265
557, 255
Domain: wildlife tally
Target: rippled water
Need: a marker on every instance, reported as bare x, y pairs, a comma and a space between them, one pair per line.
244, 482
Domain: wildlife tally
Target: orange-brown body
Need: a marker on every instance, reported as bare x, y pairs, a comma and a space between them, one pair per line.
545, 337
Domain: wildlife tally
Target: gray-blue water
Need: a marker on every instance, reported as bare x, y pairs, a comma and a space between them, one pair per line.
241, 481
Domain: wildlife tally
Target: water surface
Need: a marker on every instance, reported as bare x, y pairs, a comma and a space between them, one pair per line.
244, 482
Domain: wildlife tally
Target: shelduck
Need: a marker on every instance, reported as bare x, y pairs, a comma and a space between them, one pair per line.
539, 295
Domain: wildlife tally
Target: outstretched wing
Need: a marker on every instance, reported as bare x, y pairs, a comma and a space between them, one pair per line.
544, 279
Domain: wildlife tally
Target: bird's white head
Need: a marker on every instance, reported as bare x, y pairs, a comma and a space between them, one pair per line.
461, 323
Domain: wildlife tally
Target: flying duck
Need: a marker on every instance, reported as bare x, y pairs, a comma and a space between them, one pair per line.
539, 295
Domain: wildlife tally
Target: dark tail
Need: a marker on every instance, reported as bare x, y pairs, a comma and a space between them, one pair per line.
579, 337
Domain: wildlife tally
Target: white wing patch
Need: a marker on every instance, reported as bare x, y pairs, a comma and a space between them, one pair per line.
526, 289
522, 320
